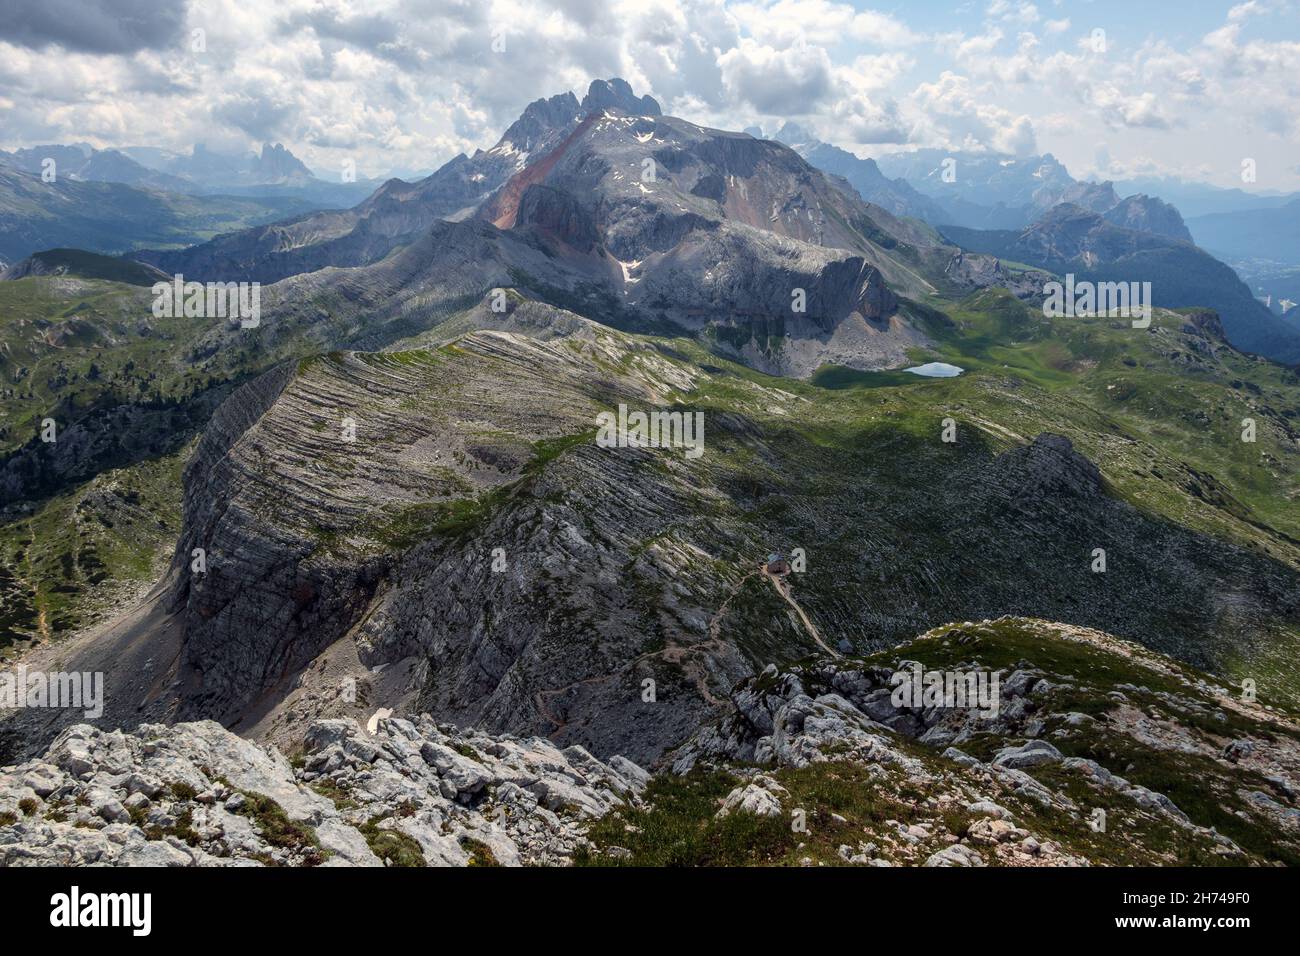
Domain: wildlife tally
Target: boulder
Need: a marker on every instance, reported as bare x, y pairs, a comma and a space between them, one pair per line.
1032, 753
752, 799
956, 855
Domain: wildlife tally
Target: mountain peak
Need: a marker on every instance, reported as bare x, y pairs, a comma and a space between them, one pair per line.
276, 163
1149, 214
1095, 197
792, 134
544, 121
616, 93
539, 121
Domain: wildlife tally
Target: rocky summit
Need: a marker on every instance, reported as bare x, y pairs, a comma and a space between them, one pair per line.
1097, 753
404, 793
1091, 751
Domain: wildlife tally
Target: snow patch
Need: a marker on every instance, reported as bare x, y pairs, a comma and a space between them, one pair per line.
936, 370
628, 267
372, 725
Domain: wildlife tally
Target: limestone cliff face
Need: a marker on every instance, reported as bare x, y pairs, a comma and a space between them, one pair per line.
252, 611
478, 555
392, 538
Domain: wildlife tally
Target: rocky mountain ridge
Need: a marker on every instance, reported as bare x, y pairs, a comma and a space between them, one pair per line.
465, 526
402, 793
397, 212
1096, 752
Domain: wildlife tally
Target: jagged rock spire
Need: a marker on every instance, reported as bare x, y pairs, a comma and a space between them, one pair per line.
616, 94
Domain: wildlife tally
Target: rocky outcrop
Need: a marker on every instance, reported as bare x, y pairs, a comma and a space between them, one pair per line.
1095, 197
275, 164
1043, 761
978, 271
1149, 214
409, 793
762, 798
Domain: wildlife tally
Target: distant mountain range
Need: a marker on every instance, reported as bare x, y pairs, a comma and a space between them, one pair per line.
637, 219
1071, 238
275, 171
991, 191
114, 201
83, 163
985, 191
273, 166
896, 195
1270, 233
114, 217
1201, 199
1031, 211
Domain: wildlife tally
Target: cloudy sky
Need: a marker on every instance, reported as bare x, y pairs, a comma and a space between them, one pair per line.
1111, 87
